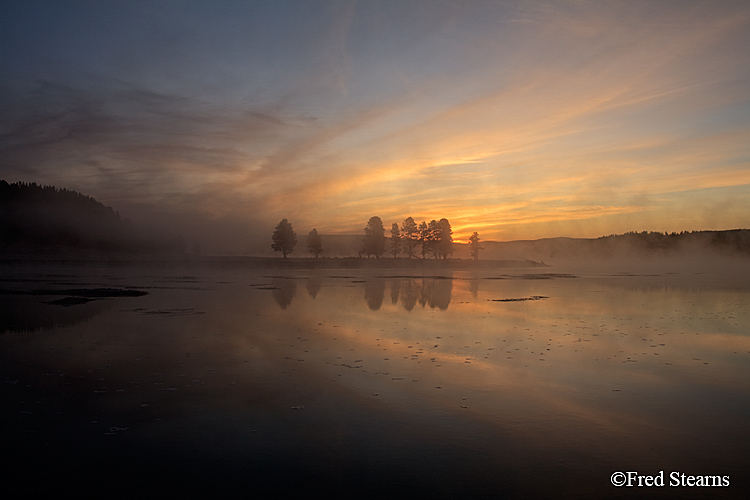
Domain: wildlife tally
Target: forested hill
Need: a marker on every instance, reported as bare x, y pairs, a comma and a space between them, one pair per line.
735, 242
45, 218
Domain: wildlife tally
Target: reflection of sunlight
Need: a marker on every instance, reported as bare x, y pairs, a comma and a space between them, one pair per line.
601, 360
556, 335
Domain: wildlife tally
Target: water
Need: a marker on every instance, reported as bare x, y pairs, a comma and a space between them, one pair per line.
494, 384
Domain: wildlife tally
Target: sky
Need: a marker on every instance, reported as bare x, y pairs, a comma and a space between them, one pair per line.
515, 119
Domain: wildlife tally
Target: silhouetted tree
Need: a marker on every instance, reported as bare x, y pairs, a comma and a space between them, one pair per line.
409, 236
45, 217
374, 242
474, 246
433, 238
424, 237
395, 240
445, 239
314, 243
284, 238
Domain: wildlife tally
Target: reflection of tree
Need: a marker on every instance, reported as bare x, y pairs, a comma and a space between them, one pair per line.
441, 297
409, 294
313, 286
432, 292
374, 293
284, 291
436, 293
395, 289
474, 287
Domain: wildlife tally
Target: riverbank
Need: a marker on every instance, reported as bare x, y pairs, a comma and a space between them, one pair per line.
266, 262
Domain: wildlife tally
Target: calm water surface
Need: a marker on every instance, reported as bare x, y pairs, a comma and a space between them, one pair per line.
493, 384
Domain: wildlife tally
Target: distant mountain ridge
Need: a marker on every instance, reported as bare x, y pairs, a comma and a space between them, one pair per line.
733, 242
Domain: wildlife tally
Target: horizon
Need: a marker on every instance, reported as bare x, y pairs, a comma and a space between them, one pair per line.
518, 120
52, 205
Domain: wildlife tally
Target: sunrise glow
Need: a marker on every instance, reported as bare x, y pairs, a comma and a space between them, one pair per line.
519, 120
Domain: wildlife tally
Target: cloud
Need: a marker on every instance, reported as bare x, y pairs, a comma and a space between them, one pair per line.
497, 115
134, 132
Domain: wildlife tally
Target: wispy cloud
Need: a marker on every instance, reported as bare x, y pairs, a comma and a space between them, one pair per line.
510, 118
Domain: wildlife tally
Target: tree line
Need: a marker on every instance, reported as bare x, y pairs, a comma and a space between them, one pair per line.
42, 218
434, 238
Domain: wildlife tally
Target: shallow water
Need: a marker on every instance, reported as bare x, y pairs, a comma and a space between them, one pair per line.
492, 384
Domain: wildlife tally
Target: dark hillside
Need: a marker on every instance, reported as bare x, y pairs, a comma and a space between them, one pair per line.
637, 245
36, 218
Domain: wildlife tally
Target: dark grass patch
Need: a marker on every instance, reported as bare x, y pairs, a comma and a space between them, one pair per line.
70, 301
520, 299
170, 312
94, 293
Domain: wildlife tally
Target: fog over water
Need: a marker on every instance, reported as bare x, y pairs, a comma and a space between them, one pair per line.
488, 383
152, 343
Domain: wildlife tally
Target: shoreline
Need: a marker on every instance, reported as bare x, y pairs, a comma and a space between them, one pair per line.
268, 262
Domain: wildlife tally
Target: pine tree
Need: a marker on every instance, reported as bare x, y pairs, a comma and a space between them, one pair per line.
314, 243
409, 236
474, 246
284, 238
395, 240
445, 239
374, 242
